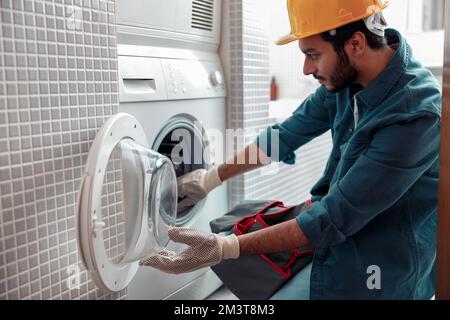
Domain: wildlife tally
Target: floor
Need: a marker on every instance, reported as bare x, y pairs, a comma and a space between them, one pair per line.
222, 294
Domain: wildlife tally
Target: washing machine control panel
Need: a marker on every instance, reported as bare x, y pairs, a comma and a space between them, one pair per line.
144, 78
190, 79
216, 78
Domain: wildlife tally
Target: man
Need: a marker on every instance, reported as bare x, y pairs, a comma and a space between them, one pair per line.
373, 217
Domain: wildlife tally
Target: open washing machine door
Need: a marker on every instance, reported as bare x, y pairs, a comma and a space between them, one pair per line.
147, 202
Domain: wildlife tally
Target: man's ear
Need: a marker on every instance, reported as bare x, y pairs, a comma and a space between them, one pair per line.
356, 46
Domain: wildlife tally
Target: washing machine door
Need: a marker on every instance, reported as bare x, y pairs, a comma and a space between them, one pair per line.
126, 203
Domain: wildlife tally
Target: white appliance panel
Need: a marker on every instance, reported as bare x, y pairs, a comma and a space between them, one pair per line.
203, 99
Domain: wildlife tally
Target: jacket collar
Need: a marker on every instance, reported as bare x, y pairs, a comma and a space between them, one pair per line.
380, 87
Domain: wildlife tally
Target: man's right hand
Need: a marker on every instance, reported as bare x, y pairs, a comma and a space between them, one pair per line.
195, 186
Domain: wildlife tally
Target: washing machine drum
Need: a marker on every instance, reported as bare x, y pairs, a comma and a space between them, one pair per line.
126, 203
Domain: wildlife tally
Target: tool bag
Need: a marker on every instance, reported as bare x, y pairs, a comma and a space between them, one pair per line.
259, 277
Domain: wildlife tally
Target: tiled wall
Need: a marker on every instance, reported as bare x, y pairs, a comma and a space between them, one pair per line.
58, 85
246, 58
246, 52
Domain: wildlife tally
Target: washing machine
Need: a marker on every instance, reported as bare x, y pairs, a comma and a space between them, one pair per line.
180, 102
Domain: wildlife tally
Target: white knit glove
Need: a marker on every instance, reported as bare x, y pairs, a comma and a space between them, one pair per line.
204, 250
196, 185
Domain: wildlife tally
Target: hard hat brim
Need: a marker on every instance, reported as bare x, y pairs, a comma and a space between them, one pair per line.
286, 39
292, 37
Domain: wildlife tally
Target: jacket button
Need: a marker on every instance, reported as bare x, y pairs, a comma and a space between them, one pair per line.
350, 130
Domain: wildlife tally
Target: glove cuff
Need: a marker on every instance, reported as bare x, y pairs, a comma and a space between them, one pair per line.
230, 247
212, 179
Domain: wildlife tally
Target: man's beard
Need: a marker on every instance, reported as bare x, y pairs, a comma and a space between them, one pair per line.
343, 74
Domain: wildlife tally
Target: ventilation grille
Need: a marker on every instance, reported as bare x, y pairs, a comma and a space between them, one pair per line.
202, 14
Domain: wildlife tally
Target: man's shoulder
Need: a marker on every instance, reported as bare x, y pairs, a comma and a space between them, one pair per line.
421, 90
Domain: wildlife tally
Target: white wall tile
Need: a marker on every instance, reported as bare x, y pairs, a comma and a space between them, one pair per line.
53, 99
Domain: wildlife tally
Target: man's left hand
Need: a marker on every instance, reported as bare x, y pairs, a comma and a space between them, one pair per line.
204, 250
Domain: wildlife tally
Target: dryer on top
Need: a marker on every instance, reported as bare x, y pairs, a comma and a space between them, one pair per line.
168, 21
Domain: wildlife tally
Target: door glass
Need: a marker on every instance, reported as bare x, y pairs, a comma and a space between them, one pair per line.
162, 202
150, 199
139, 199
112, 209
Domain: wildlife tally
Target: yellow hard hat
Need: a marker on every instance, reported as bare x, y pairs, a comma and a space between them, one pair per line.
311, 17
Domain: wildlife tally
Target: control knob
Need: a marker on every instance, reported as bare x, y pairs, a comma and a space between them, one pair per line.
216, 78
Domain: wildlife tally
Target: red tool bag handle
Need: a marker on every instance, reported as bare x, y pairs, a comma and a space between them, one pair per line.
243, 225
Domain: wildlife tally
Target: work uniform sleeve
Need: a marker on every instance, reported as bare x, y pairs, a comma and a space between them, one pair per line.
395, 159
309, 121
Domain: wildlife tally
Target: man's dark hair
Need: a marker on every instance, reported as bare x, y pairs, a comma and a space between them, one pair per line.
345, 33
